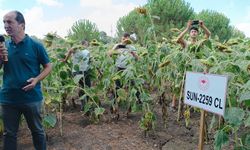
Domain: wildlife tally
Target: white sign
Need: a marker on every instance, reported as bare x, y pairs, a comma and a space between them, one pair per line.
206, 91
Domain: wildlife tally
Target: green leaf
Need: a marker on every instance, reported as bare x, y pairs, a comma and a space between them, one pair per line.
221, 138
247, 103
244, 96
247, 141
234, 116
122, 94
76, 68
77, 78
156, 17
50, 120
136, 107
247, 121
63, 74
208, 43
212, 124
247, 85
99, 111
87, 107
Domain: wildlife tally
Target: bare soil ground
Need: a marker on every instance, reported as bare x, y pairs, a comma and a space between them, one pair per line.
109, 134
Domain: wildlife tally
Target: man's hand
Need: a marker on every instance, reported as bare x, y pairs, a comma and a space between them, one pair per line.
201, 23
31, 83
62, 60
135, 55
189, 24
3, 52
207, 32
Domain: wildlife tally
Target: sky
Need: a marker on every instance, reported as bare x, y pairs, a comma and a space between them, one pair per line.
43, 16
238, 11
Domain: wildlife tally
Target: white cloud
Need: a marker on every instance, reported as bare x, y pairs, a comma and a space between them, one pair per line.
245, 27
38, 26
106, 13
95, 3
50, 2
102, 12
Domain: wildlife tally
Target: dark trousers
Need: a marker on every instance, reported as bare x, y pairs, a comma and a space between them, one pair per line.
11, 119
82, 82
119, 85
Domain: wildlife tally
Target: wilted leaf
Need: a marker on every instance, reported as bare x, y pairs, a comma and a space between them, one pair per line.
122, 94
99, 111
247, 141
87, 107
48, 100
244, 96
234, 116
247, 121
212, 124
221, 138
50, 120
77, 78
156, 17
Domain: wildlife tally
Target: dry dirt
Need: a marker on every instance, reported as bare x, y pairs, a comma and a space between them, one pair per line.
109, 134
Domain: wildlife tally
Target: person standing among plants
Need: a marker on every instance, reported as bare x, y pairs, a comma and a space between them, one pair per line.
81, 59
125, 52
21, 90
192, 28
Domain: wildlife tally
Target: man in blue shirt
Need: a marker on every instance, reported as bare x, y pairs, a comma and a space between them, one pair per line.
21, 90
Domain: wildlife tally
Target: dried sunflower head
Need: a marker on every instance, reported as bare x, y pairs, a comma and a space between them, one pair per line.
94, 42
127, 41
141, 10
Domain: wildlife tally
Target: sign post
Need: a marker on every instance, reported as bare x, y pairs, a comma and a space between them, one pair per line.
208, 92
201, 135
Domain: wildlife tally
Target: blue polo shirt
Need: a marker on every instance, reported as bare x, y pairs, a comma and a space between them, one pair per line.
24, 62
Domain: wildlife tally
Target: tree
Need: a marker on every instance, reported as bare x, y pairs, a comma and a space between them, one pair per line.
83, 29
104, 38
237, 33
217, 23
160, 16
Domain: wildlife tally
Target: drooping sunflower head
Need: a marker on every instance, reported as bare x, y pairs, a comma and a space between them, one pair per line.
141, 10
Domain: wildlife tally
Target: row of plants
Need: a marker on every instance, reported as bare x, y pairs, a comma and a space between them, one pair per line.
161, 66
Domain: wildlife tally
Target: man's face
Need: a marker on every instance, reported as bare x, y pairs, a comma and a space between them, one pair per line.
125, 38
193, 33
11, 26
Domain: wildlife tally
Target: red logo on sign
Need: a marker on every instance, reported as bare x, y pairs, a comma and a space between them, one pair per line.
203, 83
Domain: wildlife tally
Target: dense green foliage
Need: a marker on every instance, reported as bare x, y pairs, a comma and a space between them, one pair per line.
161, 15
217, 23
161, 68
237, 33
83, 29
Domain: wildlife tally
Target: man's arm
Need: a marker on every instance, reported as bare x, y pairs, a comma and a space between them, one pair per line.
33, 81
207, 32
135, 55
180, 38
45, 72
68, 54
114, 50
